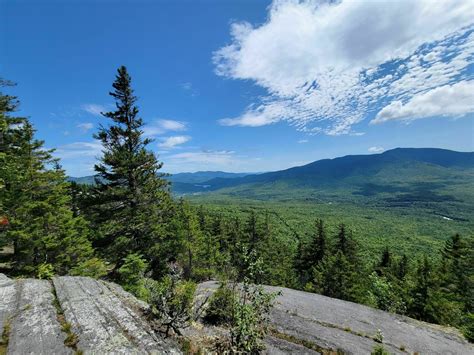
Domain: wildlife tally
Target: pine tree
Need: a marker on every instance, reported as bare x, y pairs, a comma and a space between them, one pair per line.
309, 255
9, 159
346, 244
43, 229
423, 283
318, 245
251, 231
132, 200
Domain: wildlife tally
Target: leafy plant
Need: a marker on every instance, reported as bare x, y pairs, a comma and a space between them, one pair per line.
94, 268
131, 274
251, 310
45, 271
221, 306
171, 302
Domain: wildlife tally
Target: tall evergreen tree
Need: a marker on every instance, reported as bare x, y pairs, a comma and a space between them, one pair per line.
251, 231
9, 160
132, 200
35, 199
318, 244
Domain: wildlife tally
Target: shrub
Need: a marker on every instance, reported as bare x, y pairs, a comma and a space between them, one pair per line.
221, 306
251, 310
250, 324
468, 327
45, 271
171, 302
94, 268
131, 275
379, 350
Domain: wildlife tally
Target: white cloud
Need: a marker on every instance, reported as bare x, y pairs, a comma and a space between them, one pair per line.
171, 142
326, 65
301, 141
162, 126
215, 157
86, 126
224, 160
79, 149
376, 149
447, 100
94, 109
170, 125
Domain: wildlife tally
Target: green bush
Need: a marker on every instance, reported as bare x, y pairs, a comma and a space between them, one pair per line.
45, 271
251, 310
171, 302
131, 275
468, 327
250, 324
379, 350
221, 306
94, 268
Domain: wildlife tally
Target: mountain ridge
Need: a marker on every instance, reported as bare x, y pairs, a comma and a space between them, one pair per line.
433, 163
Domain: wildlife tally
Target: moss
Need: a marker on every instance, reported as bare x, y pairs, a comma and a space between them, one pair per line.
306, 343
5, 337
71, 338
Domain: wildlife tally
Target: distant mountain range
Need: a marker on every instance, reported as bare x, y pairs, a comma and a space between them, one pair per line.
401, 170
199, 177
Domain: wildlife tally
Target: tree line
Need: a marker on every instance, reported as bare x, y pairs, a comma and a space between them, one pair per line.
128, 227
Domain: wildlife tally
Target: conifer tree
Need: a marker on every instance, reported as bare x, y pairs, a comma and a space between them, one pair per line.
35, 198
318, 244
251, 231
346, 243
132, 201
8, 159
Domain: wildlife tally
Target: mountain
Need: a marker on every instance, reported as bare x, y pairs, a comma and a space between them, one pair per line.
401, 175
200, 177
185, 181
86, 180
401, 165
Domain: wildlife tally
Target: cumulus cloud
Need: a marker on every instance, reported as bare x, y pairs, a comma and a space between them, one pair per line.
79, 149
447, 100
214, 157
376, 149
326, 65
162, 126
94, 109
171, 142
86, 126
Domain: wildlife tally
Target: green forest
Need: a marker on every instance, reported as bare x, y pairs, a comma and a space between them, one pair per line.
129, 228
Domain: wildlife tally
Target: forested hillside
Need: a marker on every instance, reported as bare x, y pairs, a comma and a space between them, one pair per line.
128, 227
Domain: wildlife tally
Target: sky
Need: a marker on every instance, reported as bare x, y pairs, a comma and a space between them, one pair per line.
247, 85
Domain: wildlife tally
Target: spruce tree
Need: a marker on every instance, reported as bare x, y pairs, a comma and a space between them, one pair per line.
318, 244
35, 199
132, 200
42, 226
8, 159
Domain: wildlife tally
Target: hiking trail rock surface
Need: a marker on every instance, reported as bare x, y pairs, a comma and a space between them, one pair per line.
308, 323
100, 315
40, 316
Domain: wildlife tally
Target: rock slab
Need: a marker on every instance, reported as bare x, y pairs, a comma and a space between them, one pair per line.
105, 318
313, 321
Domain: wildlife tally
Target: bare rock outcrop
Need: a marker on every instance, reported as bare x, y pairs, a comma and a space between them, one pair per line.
72, 314
308, 323
78, 314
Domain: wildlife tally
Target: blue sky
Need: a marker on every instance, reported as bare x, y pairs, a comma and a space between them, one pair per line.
246, 85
